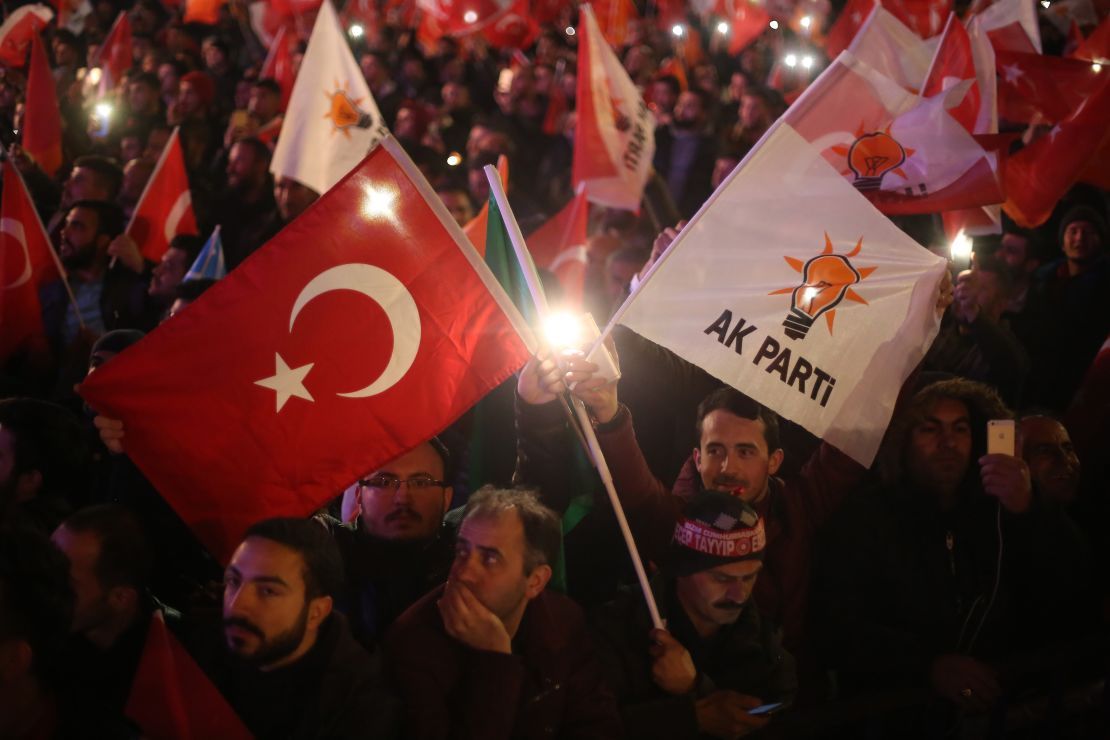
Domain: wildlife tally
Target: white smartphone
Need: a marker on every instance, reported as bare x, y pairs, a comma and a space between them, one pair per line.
1001, 437
766, 708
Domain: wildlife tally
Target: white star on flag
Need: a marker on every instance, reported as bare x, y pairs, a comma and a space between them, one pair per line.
1012, 73
286, 381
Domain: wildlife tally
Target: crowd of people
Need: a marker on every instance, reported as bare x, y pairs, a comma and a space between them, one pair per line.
944, 592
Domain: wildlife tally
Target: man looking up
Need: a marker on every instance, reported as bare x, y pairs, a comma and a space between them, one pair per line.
493, 654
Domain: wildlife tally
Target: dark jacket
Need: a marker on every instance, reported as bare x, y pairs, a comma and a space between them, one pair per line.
697, 186
334, 691
123, 305
745, 656
549, 687
383, 579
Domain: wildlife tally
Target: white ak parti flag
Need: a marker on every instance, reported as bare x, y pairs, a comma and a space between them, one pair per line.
332, 120
791, 287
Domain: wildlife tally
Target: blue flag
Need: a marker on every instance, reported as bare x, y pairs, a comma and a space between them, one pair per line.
210, 262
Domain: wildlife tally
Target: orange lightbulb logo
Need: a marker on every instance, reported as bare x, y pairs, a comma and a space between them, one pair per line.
873, 155
343, 111
827, 279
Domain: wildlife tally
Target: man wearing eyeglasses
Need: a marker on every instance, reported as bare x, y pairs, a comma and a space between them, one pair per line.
398, 547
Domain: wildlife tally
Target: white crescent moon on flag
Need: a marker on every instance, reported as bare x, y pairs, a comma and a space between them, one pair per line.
15, 229
176, 214
394, 298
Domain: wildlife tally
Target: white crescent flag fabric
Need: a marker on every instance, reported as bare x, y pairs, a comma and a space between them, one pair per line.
791, 287
165, 209
332, 120
615, 134
1012, 25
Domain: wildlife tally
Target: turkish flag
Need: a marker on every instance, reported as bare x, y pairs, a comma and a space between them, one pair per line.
171, 697
953, 66
27, 261
203, 11
1012, 25
847, 25
515, 29
42, 127
165, 209
560, 246
547, 11
1038, 88
748, 21
278, 65
614, 17
306, 367
18, 29
923, 17
1096, 47
1041, 173
114, 55
461, 19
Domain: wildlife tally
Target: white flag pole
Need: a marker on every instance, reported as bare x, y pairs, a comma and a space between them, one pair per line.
532, 279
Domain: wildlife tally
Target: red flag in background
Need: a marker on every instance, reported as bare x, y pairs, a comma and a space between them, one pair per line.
1038, 88
42, 139
304, 368
165, 209
547, 11
27, 261
923, 17
847, 25
203, 11
114, 55
614, 16
555, 115
19, 28
514, 29
1041, 173
673, 67
560, 246
1012, 25
460, 19
953, 66
1096, 47
279, 63
749, 21
171, 697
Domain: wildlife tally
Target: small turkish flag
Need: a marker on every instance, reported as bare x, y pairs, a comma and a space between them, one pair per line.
363, 328
515, 29
1040, 88
203, 11
1041, 173
560, 246
954, 66
114, 55
1096, 47
171, 697
27, 261
278, 65
749, 21
42, 132
165, 209
847, 25
15, 35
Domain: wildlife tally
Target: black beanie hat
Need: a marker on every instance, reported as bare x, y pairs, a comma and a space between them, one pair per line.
716, 528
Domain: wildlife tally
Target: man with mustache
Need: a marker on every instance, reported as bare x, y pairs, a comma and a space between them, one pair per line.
718, 657
398, 548
289, 666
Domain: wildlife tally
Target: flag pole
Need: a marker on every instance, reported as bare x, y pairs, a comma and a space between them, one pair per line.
532, 279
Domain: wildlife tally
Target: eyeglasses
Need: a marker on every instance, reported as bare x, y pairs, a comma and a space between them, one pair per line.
416, 483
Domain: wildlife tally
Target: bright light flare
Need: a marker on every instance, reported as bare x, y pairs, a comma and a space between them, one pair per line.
356, 31
453, 159
563, 330
807, 61
1045, 3
470, 16
1096, 67
103, 110
678, 30
774, 25
790, 60
379, 202
722, 28
809, 294
94, 75
806, 21
960, 248
571, 31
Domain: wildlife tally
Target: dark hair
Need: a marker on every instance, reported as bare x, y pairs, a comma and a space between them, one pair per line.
190, 290
36, 599
999, 268
149, 79
47, 438
261, 151
106, 169
109, 216
736, 403
125, 557
323, 566
190, 244
269, 84
670, 81
543, 533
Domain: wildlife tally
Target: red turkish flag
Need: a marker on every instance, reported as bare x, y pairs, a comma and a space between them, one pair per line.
1096, 47
114, 55
278, 65
923, 17
847, 25
27, 261
749, 21
460, 19
614, 17
42, 128
171, 697
1041, 173
306, 367
1012, 25
547, 11
560, 246
165, 209
515, 29
953, 65
1041, 88
18, 29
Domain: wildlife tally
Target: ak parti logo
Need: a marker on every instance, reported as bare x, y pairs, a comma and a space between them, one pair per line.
872, 156
343, 111
827, 280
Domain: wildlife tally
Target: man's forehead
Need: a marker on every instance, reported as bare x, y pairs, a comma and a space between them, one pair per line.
1041, 429
421, 459
720, 425
502, 530
259, 557
948, 409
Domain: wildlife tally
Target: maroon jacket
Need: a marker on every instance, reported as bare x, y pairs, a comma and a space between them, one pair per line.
549, 687
793, 511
